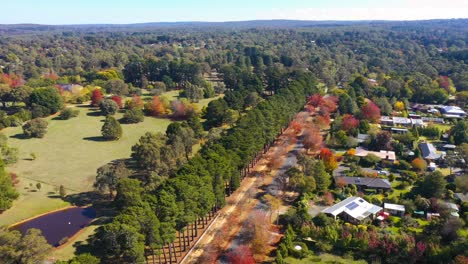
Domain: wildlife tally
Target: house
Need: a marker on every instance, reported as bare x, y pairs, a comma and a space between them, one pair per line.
366, 183
428, 151
394, 209
417, 122
383, 154
449, 147
396, 130
436, 120
453, 209
361, 138
463, 197
453, 112
395, 121
353, 209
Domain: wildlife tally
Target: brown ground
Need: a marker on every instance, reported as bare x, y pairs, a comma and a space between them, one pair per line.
240, 205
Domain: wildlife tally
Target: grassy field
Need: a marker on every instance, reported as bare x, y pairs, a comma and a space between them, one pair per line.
72, 150
68, 155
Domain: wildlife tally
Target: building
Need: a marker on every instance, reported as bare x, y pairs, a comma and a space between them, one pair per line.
394, 209
462, 197
396, 130
383, 154
353, 209
361, 138
428, 151
453, 209
453, 112
366, 183
401, 121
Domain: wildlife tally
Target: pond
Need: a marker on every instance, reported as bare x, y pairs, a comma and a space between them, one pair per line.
59, 225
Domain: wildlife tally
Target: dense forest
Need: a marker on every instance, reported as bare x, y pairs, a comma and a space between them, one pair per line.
265, 69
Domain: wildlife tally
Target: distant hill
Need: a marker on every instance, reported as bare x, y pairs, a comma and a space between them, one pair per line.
24, 28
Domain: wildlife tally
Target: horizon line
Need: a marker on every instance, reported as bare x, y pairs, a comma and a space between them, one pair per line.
234, 21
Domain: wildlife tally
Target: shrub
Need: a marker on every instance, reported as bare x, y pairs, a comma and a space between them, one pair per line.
299, 253
108, 107
132, 116
111, 129
35, 128
23, 115
369, 160
68, 113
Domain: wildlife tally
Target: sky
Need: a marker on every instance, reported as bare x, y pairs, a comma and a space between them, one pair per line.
56, 12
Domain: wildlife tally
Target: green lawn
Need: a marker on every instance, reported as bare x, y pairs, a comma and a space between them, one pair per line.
68, 155
72, 150
323, 258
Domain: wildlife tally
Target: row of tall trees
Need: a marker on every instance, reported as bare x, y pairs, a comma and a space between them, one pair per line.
150, 214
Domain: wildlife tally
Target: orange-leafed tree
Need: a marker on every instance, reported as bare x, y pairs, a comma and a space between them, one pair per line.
329, 160
296, 127
135, 102
340, 183
371, 112
330, 103
155, 107
322, 121
96, 97
419, 164
241, 255
312, 139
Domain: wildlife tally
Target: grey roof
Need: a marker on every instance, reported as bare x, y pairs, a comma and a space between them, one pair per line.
368, 182
461, 196
362, 137
428, 151
356, 207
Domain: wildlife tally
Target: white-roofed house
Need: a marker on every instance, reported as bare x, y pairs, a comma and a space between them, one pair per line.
453, 112
353, 209
394, 209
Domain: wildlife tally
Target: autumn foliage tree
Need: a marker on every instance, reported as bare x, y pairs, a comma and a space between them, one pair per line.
241, 255
156, 107
419, 164
118, 100
296, 127
315, 100
329, 160
312, 140
135, 102
96, 97
349, 123
371, 112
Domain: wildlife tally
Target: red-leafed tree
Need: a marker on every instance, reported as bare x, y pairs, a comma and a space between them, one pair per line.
296, 127
371, 112
329, 160
241, 255
315, 100
118, 100
444, 82
96, 97
312, 140
328, 198
349, 123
